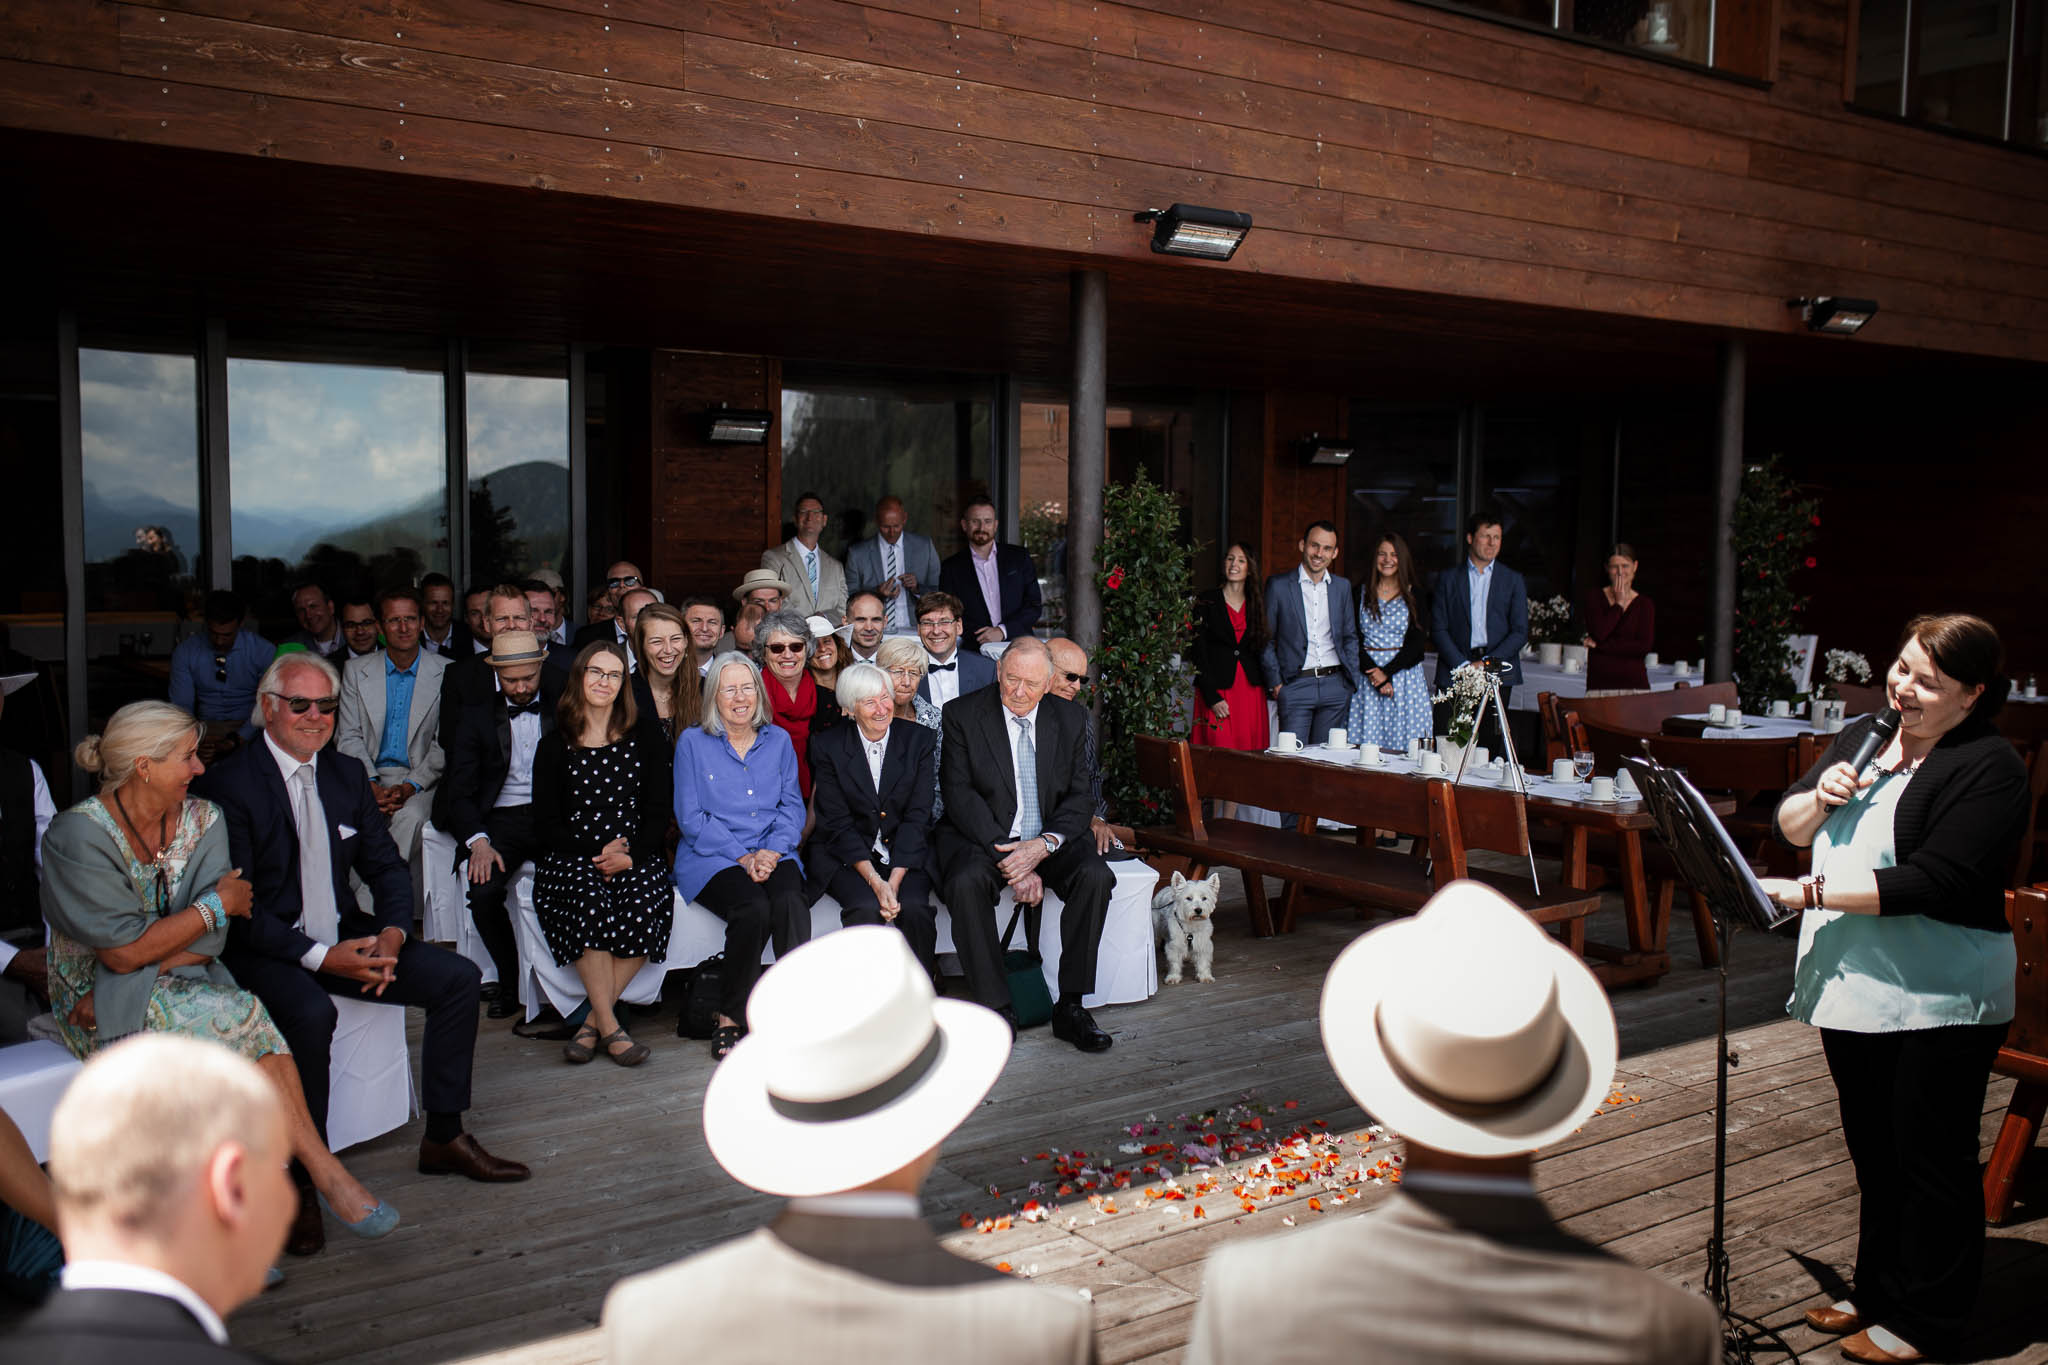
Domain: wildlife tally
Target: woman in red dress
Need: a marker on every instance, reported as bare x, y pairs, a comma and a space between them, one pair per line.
1230, 683
1621, 626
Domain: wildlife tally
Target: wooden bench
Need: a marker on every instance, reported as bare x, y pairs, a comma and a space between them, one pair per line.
1496, 820
2025, 1054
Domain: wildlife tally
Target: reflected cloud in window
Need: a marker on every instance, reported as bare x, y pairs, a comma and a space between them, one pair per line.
518, 430
139, 432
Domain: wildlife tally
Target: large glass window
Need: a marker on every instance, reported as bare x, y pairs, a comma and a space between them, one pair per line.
1727, 35
338, 472
518, 415
1403, 479
139, 434
1529, 467
1960, 64
1970, 66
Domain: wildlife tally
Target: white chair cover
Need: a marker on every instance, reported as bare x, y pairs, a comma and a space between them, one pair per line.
33, 1077
370, 1089
560, 987
445, 899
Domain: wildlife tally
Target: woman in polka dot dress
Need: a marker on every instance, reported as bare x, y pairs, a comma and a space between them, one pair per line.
601, 808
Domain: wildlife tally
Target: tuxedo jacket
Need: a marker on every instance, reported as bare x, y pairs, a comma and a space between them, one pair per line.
471, 681
789, 567
976, 670
114, 1327
1016, 579
263, 840
1507, 620
359, 732
607, 631
1287, 625
1433, 1278
479, 758
852, 811
461, 644
915, 555
815, 1287
979, 778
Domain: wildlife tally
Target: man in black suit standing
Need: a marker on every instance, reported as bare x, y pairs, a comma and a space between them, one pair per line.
299, 822
168, 1159
1018, 801
998, 584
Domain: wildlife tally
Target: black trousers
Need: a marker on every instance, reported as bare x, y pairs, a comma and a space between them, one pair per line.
510, 830
755, 913
1912, 1103
1076, 874
442, 983
918, 919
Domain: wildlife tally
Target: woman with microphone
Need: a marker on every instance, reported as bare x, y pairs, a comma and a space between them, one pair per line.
1906, 965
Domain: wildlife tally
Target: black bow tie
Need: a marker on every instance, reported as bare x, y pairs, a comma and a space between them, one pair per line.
531, 708
945, 668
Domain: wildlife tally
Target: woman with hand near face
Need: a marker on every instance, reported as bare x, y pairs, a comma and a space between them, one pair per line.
1906, 965
600, 806
1621, 626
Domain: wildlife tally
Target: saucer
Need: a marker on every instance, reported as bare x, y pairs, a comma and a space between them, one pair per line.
1285, 753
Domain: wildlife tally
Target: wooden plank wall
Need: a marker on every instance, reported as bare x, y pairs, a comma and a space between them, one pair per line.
711, 507
1376, 141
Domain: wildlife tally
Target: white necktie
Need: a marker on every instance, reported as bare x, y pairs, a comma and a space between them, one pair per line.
318, 917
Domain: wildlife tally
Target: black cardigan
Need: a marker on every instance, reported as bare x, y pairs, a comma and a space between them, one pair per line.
1216, 651
646, 841
1414, 642
1956, 832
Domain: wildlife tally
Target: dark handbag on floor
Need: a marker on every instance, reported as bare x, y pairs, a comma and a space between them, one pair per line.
701, 998
1030, 1000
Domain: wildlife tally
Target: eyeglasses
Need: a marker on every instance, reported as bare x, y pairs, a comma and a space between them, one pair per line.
928, 622
604, 675
906, 673
742, 690
1075, 678
327, 705
631, 580
786, 647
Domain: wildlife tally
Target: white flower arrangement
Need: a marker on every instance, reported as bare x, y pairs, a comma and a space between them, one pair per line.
1550, 622
1467, 690
1845, 665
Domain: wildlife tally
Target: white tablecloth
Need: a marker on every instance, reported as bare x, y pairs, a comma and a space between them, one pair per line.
1538, 677
1762, 727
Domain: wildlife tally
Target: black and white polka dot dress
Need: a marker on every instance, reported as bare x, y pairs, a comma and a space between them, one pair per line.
629, 915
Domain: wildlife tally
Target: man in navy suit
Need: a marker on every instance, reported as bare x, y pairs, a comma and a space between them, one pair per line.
286, 803
997, 583
1480, 610
896, 565
1311, 653
950, 671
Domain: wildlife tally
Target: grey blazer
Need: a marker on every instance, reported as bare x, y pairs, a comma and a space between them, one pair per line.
819, 1288
359, 732
832, 594
1431, 1278
916, 556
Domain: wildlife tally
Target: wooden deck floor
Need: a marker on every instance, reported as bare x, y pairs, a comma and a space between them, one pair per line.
623, 1182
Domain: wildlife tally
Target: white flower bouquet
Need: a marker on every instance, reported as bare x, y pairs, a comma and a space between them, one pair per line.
1550, 622
1467, 690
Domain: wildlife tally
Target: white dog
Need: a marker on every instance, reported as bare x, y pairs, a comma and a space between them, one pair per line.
1183, 918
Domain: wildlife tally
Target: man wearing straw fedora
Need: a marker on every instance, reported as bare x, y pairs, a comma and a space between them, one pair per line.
838, 1099
1476, 1037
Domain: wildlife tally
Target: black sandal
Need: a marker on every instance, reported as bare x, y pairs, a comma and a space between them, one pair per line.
578, 1051
724, 1039
632, 1056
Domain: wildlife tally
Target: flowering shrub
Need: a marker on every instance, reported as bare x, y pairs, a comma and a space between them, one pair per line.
1550, 622
1770, 533
1144, 572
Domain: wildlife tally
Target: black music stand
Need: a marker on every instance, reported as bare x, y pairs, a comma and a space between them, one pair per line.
1712, 865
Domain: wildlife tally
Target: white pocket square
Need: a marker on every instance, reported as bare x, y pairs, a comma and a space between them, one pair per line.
345, 831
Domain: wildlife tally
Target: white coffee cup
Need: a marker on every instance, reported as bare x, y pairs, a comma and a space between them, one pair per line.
1479, 754
1649, 661
1831, 726
2031, 690
1734, 718
1781, 708
1369, 754
1571, 664
1339, 739
1289, 741
1414, 748
1561, 770
1430, 762
1717, 713
1625, 783
1603, 789
1679, 668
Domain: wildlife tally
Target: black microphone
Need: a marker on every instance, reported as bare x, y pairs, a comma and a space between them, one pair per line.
1881, 731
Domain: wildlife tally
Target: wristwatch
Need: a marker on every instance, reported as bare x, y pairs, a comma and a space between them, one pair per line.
1052, 842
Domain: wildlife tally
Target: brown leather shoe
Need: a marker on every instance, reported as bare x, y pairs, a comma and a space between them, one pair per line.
466, 1156
1834, 1321
1861, 1347
309, 1233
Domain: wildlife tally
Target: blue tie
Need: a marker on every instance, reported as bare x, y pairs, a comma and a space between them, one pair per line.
811, 568
1029, 825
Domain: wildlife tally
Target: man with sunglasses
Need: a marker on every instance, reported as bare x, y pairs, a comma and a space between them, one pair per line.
627, 594
215, 675
1069, 676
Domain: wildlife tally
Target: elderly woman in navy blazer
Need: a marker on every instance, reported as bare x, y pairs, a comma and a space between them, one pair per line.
872, 790
741, 813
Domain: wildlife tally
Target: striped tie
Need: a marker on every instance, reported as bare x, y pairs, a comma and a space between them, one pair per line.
1029, 825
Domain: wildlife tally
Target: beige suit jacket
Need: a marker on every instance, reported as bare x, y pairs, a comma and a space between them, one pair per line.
842, 1291
359, 730
789, 565
1431, 1278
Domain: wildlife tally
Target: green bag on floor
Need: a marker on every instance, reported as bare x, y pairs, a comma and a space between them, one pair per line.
1030, 1000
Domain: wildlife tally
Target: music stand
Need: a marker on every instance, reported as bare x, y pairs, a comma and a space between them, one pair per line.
1712, 865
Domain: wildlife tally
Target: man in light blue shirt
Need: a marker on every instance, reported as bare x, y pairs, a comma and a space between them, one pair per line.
214, 676
1481, 613
389, 722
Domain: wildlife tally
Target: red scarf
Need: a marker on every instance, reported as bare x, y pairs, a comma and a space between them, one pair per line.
795, 718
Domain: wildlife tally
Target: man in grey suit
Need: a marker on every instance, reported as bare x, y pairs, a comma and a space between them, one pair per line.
838, 1100
1480, 610
816, 581
390, 718
1311, 653
895, 564
1479, 1039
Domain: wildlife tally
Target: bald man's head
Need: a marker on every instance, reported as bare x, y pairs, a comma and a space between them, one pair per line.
1069, 667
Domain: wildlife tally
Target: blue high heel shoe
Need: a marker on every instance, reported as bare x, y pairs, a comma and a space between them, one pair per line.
381, 1220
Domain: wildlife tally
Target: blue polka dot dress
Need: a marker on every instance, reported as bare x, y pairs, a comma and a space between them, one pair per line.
1388, 721
628, 915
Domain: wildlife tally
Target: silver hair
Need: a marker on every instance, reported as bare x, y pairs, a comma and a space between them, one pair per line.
298, 658
141, 729
898, 651
1030, 645
859, 682
783, 622
713, 719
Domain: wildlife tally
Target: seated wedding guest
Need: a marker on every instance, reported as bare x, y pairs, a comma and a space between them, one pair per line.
668, 688
601, 801
762, 588
896, 564
214, 675
299, 822
1392, 707
610, 624
558, 590
870, 848
30, 1255
1480, 1040
867, 621
997, 583
741, 814
139, 889
473, 681
1018, 802
1621, 627
167, 1158
599, 606
442, 632
745, 623
1069, 675
1907, 966
358, 618
828, 653
706, 622
782, 647
950, 671
903, 658
542, 615
390, 719
318, 631
840, 1101
476, 611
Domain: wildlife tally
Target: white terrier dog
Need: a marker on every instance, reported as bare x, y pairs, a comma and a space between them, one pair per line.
1183, 918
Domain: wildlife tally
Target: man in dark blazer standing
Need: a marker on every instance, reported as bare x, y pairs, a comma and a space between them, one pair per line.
1003, 828
1480, 610
286, 804
1311, 653
998, 584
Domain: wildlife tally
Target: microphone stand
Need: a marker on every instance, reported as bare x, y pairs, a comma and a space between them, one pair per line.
1711, 865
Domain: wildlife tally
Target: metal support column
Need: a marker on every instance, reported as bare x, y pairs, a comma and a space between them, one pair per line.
455, 443
1734, 368
1087, 455
71, 497
215, 509
576, 572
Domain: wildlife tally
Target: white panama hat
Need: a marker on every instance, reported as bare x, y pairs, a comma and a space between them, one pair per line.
1469, 1029
853, 1068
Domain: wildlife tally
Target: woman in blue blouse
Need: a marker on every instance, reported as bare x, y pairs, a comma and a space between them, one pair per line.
741, 812
1906, 965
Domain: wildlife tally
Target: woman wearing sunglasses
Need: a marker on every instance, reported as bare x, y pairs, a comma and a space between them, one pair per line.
783, 645
138, 893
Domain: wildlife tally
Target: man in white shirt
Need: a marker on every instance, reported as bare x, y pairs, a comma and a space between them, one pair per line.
895, 564
165, 1236
950, 671
867, 620
705, 620
1311, 651
318, 631
817, 581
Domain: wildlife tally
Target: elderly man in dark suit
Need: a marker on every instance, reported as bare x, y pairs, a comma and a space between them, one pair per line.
299, 822
1480, 610
1311, 653
1019, 796
997, 583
